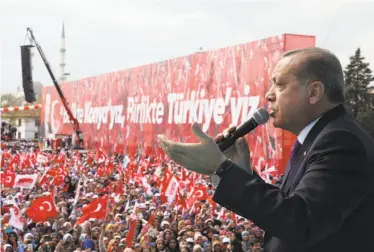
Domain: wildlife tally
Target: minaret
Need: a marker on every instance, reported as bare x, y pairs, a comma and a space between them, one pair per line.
62, 53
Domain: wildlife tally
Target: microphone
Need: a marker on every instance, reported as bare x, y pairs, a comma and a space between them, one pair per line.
261, 116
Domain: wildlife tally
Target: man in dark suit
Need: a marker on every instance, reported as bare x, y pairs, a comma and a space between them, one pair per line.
325, 202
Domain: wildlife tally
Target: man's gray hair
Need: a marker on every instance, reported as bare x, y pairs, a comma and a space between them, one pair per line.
321, 65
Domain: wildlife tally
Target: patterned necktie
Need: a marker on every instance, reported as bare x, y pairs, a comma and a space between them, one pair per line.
292, 164
295, 149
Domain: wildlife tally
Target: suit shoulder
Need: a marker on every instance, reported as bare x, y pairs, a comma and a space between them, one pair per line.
338, 138
345, 137
349, 124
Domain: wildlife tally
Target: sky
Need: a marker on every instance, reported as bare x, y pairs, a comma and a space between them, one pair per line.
105, 36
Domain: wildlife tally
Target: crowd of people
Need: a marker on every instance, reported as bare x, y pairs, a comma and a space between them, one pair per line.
116, 203
8, 131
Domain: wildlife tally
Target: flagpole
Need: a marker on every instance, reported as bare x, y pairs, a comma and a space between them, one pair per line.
107, 207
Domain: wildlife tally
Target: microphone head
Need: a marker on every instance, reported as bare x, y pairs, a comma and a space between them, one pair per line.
261, 116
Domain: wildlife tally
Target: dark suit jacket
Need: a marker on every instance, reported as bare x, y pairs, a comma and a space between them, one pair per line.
327, 206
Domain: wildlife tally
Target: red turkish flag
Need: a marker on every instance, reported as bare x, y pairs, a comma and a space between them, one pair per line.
181, 201
7, 178
119, 188
131, 234
58, 174
100, 157
197, 193
5, 156
200, 193
58, 180
96, 209
42, 209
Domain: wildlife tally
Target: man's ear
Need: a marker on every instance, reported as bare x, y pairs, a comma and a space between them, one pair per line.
316, 91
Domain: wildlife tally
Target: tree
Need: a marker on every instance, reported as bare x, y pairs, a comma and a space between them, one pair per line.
359, 97
12, 100
358, 77
366, 119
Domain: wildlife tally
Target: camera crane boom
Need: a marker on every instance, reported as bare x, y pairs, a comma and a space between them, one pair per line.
72, 119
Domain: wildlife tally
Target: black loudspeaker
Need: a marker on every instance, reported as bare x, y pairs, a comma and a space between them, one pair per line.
27, 82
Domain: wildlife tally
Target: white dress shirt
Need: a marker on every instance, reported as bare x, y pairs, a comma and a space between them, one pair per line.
304, 133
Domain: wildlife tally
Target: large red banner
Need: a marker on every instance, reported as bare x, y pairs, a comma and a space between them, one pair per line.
215, 88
